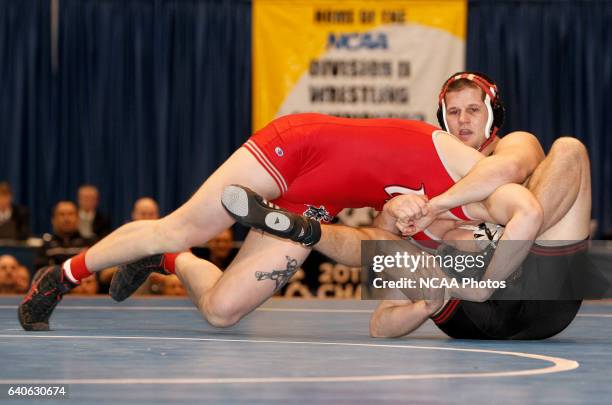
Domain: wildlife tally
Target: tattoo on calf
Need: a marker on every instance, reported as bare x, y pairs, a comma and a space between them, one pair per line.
281, 277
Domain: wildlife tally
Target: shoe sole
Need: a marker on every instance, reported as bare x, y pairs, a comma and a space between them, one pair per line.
33, 327
236, 201
242, 205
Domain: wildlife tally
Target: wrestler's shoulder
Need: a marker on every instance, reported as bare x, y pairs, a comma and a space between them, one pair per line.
518, 138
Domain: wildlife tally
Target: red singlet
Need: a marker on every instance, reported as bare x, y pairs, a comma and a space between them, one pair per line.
323, 164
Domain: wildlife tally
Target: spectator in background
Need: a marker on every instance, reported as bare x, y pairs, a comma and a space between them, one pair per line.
8, 265
14, 278
14, 219
172, 286
93, 224
144, 208
220, 247
21, 280
88, 286
66, 240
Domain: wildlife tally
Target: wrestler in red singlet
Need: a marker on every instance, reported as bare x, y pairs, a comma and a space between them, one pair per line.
324, 164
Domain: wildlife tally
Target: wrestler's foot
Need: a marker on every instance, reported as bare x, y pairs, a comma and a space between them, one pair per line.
48, 287
250, 209
129, 277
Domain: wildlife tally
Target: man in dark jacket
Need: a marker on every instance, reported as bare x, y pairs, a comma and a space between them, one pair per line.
92, 223
66, 240
14, 219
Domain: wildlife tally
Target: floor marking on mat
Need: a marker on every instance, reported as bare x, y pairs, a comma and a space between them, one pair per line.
558, 364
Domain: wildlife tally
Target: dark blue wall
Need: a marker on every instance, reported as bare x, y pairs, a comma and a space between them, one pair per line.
151, 96
148, 99
553, 63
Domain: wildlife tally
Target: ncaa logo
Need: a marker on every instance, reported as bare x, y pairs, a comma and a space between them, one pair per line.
279, 152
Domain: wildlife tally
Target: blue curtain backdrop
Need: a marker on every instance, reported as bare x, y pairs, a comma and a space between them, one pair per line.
553, 63
148, 99
151, 95
26, 102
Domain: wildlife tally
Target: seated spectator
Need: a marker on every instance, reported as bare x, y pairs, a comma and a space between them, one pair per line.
154, 284
8, 265
14, 219
220, 247
66, 240
144, 208
14, 278
21, 280
93, 223
172, 286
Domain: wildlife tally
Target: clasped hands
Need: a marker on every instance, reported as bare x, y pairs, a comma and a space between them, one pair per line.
412, 213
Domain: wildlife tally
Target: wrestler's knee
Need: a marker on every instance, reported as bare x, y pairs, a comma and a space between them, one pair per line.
219, 311
570, 149
480, 294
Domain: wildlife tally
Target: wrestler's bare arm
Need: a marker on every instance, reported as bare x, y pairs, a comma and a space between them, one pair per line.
520, 152
395, 318
511, 204
386, 221
514, 206
343, 243
517, 208
516, 157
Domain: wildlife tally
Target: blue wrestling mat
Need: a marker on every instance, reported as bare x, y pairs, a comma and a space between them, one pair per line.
293, 351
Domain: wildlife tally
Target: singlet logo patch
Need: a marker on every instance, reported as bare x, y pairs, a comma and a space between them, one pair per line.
317, 213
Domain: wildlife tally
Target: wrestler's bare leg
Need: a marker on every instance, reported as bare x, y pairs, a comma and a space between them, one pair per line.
225, 297
562, 185
263, 265
198, 220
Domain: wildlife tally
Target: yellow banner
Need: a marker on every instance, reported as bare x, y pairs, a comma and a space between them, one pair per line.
354, 58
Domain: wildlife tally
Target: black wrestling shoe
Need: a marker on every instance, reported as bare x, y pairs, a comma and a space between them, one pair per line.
250, 209
129, 277
48, 287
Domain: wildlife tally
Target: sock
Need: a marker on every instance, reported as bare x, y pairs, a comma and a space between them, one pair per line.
75, 268
169, 259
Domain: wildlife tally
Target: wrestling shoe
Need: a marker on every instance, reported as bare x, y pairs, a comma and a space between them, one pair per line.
130, 276
250, 209
48, 287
